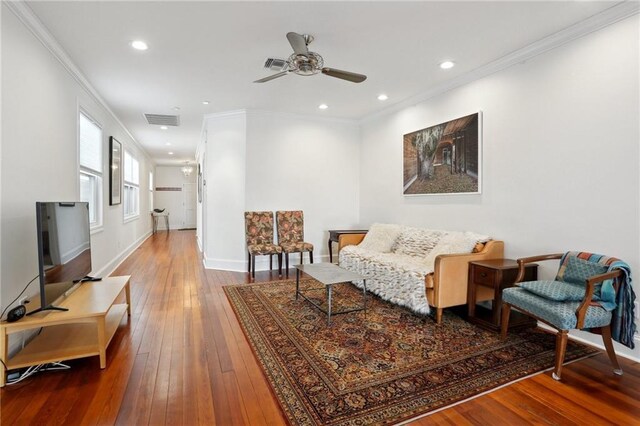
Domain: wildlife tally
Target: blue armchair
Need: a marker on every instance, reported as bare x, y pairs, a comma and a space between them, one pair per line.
589, 292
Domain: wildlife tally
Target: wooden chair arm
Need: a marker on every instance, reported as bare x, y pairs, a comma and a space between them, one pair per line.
524, 260
591, 282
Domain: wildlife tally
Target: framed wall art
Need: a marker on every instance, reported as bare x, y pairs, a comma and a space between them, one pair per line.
115, 171
445, 158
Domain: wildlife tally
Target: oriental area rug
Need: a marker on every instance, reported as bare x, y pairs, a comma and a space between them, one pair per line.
382, 366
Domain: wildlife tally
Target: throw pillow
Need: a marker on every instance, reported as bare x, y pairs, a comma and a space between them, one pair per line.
381, 237
578, 270
416, 242
558, 291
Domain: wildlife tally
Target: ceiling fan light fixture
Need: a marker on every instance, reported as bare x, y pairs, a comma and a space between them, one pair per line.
447, 65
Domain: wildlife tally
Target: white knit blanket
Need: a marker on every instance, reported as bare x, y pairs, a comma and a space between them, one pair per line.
398, 277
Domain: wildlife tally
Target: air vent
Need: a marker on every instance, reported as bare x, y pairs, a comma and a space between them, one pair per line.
275, 64
163, 120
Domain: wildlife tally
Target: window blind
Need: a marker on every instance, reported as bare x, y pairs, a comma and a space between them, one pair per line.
90, 144
131, 169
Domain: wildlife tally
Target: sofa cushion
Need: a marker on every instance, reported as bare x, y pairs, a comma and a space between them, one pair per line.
416, 242
381, 237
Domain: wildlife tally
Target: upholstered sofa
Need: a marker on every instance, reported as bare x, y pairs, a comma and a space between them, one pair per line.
417, 268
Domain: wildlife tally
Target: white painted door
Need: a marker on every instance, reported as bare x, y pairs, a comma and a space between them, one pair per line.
189, 200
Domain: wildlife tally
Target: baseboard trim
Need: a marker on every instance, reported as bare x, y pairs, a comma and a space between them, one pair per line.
108, 269
262, 262
600, 346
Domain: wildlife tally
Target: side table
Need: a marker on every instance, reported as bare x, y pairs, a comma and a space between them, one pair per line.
496, 274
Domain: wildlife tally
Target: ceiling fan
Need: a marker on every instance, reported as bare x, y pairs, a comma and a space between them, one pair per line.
305, 62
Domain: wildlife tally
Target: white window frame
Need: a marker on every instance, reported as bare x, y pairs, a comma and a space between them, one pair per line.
98, 224
129, 188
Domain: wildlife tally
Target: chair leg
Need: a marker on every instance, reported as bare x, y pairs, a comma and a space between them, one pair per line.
253, 266
504, 320
608, 344
311, 256
561, 348
249, 262
286, 261
280, 264
301, 257
270, 262
439, 315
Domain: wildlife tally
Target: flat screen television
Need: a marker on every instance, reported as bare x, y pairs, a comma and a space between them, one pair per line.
64, 249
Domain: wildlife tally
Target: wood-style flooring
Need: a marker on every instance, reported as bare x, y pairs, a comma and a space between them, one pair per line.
183, 359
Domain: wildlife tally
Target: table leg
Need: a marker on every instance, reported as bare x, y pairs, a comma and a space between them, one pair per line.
127, 293
329, 290
297, 283
166, 221
4, 339
364, 295
330, 253
102, 342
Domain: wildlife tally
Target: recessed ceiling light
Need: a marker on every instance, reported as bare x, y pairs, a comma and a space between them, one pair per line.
139, 45
323, 106
205, 102
168, 144
170, 153
446, 65
164, 127
382, 97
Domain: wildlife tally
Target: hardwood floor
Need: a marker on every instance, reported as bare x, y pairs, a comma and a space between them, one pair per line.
183, 359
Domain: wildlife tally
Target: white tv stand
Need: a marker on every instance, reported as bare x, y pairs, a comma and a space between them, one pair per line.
84, 330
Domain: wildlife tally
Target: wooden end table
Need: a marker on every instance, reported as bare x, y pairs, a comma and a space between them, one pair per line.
496, 274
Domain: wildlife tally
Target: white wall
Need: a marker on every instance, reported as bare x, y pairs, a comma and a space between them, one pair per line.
560, 147
225, 191
270, 161
172, 201
40, 104
304, 163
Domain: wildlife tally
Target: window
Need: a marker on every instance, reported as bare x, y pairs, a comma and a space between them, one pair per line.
90, 173
131, 186
150, 191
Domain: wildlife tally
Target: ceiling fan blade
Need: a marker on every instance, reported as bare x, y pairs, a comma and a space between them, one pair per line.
345, 75
298, 43
271, 77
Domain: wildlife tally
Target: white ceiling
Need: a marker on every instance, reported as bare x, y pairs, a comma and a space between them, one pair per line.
215, 50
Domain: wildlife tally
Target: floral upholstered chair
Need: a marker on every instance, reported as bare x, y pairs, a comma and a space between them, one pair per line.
259, 235
291, 235
590, 292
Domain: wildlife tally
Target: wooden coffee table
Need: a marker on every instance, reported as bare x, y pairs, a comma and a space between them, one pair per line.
329, 275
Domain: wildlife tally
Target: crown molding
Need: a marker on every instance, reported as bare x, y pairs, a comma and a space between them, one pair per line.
24, 13
594, 23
